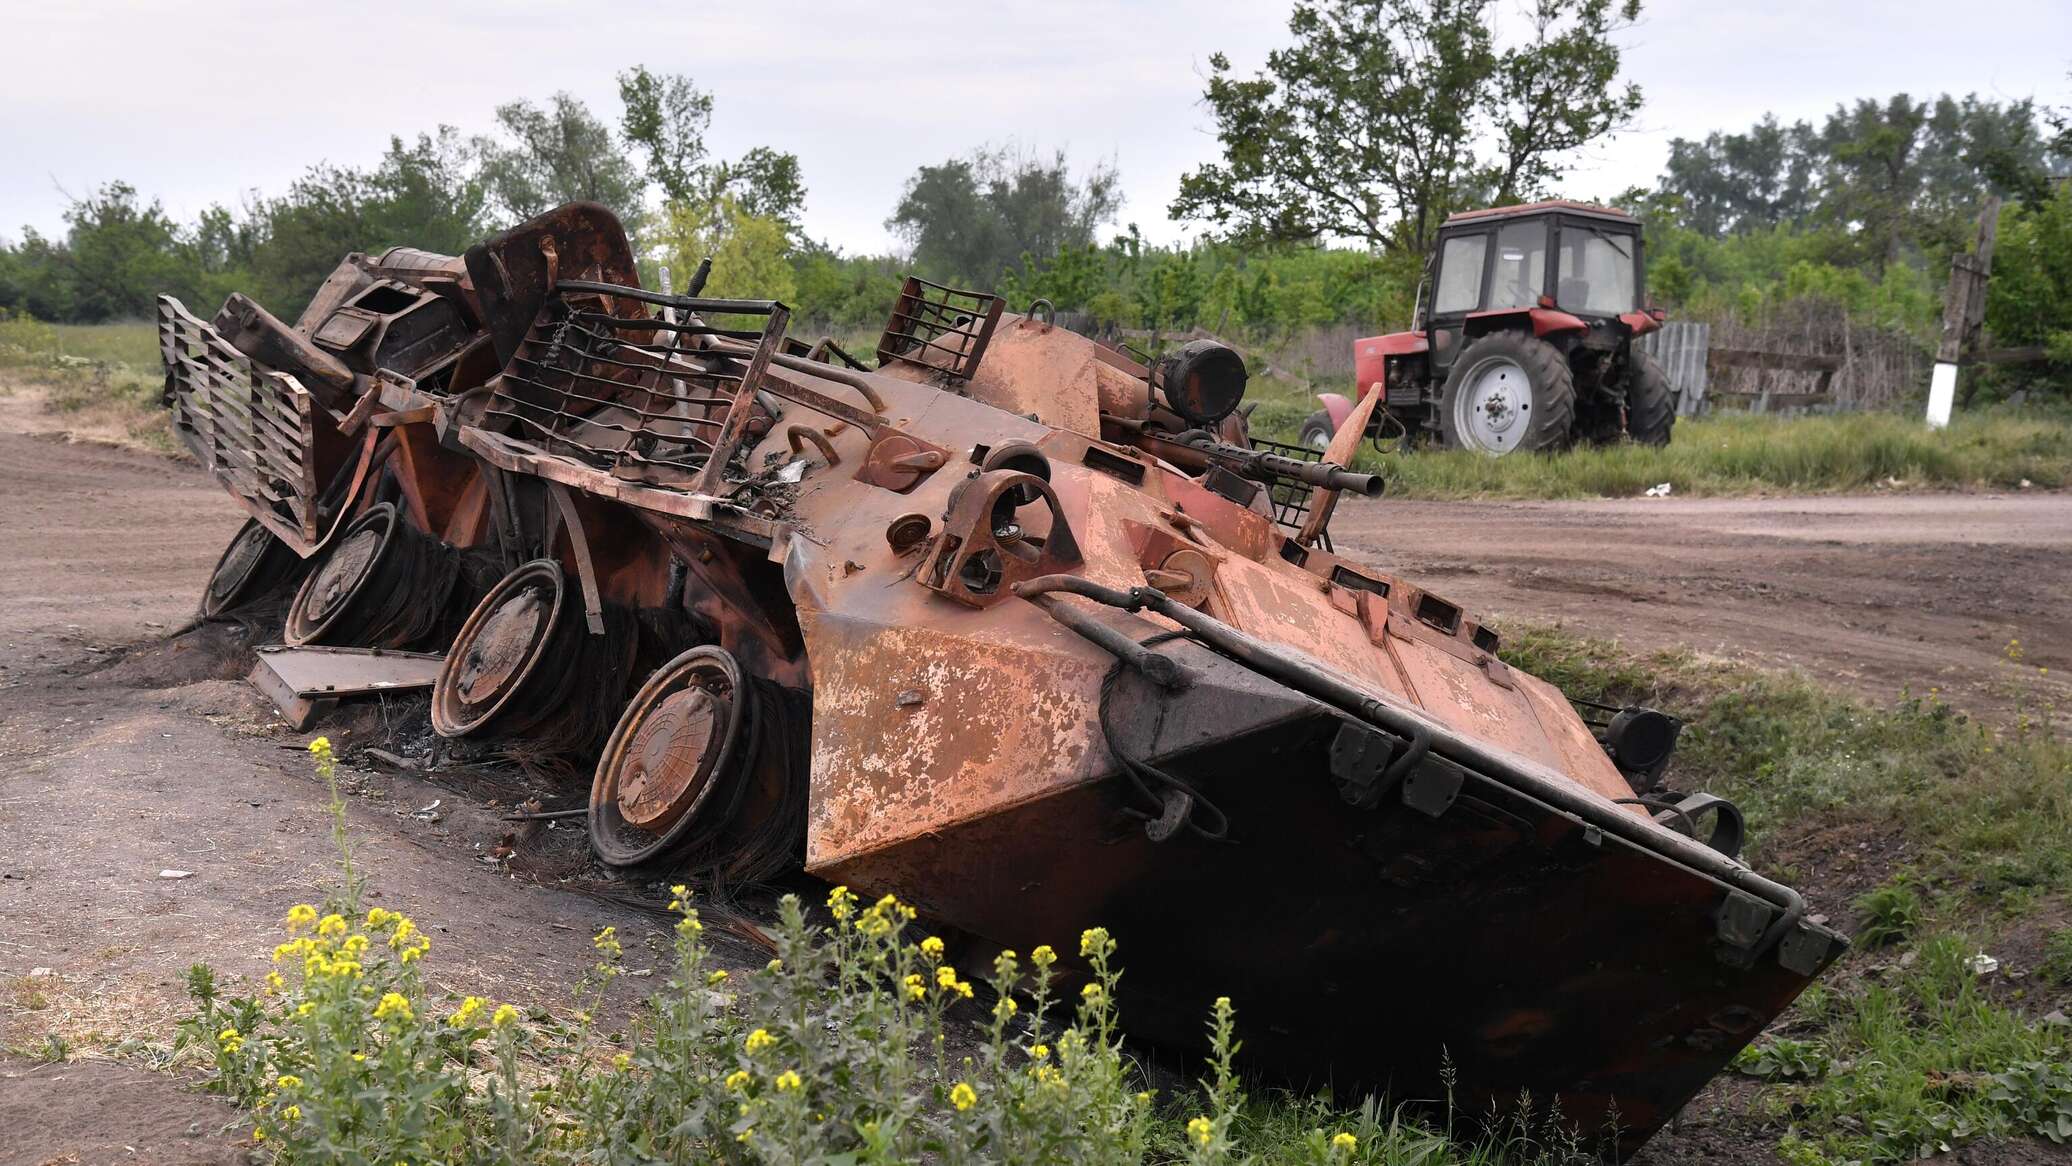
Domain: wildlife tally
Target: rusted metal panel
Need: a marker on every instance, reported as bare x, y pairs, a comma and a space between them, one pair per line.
248, 425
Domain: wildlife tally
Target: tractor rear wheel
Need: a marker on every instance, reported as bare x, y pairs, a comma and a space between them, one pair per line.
1650, 407
1508, 392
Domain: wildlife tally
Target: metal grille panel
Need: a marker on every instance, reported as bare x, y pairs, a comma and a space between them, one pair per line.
649, 397
940, 327
249, 425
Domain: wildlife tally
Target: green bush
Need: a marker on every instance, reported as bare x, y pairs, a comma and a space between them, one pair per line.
1891, 914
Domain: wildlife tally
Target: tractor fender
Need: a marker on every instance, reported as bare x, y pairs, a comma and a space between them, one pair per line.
1337, 406
1544, 322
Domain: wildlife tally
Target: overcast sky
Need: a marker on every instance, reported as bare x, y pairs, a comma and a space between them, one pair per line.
196, 104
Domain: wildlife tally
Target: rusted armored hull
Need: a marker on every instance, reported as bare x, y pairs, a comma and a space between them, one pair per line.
1017, 629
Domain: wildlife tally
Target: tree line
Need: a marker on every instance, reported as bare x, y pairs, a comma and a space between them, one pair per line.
1338, 160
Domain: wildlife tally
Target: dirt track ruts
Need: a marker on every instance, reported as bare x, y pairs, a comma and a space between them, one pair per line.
1875, 594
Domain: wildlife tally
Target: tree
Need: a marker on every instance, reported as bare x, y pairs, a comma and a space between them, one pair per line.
555, 155
974, 219
1371, 125
666, 117
749, 252
423, 193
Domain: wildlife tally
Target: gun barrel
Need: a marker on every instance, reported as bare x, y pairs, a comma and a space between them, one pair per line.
1327, 475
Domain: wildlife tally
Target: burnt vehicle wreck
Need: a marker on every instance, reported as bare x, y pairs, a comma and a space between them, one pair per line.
1008, 623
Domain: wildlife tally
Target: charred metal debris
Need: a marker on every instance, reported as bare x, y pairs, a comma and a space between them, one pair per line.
1014, 625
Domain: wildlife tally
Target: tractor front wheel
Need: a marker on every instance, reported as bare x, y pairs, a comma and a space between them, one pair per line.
1650, 408
1316, 431
1508, 392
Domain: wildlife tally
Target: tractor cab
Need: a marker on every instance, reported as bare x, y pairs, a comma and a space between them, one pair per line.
1559, 267
1522, 339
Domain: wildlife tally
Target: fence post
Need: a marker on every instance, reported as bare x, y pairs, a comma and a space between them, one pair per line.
1964, 310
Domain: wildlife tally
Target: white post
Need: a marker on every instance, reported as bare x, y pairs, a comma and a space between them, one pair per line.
1942, 394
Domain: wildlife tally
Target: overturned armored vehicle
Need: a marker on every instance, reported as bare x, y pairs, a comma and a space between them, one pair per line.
1009, 624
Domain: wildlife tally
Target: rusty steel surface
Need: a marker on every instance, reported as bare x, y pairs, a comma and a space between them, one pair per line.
1025, 631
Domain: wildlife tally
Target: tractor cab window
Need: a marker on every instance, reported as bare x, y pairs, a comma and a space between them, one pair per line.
1520, 275
1460, 274
1597, 269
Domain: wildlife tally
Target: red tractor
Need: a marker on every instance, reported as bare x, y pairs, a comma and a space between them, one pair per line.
1526, 342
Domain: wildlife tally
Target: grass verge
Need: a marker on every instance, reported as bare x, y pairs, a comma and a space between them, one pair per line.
101, 380
1732, 454
1960, 838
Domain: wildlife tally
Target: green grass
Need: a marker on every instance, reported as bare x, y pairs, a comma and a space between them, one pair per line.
1903, 1047
1729, 454
1747, 454
104, 379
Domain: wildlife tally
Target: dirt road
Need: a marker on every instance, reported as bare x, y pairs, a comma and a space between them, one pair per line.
123, 754
1874, 594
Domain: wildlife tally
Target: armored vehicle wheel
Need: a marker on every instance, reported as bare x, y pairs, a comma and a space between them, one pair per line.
511, 653
1508, 392
1650, 406
253, 563
674, 771
1316, 431
381, 584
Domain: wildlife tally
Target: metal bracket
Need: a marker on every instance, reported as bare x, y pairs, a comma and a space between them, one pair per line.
586, 571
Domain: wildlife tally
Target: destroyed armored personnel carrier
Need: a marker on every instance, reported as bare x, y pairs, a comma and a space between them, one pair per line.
1004, 622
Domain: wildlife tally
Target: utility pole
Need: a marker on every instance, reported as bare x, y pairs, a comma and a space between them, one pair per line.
1964, 312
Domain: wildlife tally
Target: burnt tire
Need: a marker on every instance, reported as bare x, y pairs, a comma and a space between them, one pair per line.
1650, 405
1508, 392
252, 566
1317, 431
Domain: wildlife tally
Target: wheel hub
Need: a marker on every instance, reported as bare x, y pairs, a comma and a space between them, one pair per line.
341, 573
500, 648
1492, 413
670, 758
239, 564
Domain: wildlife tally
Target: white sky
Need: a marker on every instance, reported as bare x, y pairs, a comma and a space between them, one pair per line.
195, 104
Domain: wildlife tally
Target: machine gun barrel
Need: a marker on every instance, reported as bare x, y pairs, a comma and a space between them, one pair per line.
1196, 451
1326, 475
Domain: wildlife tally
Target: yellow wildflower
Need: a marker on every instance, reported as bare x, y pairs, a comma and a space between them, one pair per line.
840, 903
1144, 1098
301, 915
620, 1061
962, 988
718, 977
1043, 956
758, 1040
744, 1136
379, 918
1344, 1142
1092, 993
331, 926
292, 1113
321, 747
916, 986
305, 1008
230, 1040
787, 1081
607, 941
1222, 1003
738, 1080
932, 948
411, 955
274, 983
1005, 1009
394, 1004
464, 1016
1094, 940
774, 966
946, 977
963, 1096
359, 1058
504, 1017
289, 1081
1202, 1130
1040, 1053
